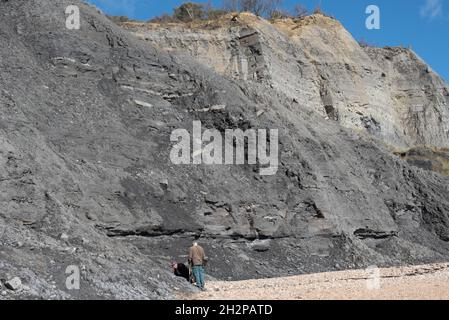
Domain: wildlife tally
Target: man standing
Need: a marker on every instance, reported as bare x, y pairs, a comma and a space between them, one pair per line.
197, 259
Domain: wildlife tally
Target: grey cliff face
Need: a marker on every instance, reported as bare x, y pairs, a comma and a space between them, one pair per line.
86, 177
389, 93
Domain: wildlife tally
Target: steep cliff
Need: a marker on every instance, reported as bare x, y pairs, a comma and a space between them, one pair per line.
389, 93
86, 178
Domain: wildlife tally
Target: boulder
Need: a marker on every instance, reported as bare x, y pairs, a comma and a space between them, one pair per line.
260, 245
14, 284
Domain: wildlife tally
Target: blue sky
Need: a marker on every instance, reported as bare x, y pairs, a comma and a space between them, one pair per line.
421, 24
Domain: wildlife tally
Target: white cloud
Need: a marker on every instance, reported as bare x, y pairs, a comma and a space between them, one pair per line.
432, 9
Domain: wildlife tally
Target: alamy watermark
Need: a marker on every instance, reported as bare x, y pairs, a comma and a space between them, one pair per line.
372, 278
73, 279
72, 21
262, 147
373, 20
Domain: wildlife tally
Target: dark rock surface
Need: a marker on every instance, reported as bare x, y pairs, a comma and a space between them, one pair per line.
428, 158
86, 118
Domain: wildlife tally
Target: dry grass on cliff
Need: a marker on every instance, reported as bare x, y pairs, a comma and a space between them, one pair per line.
286, 25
